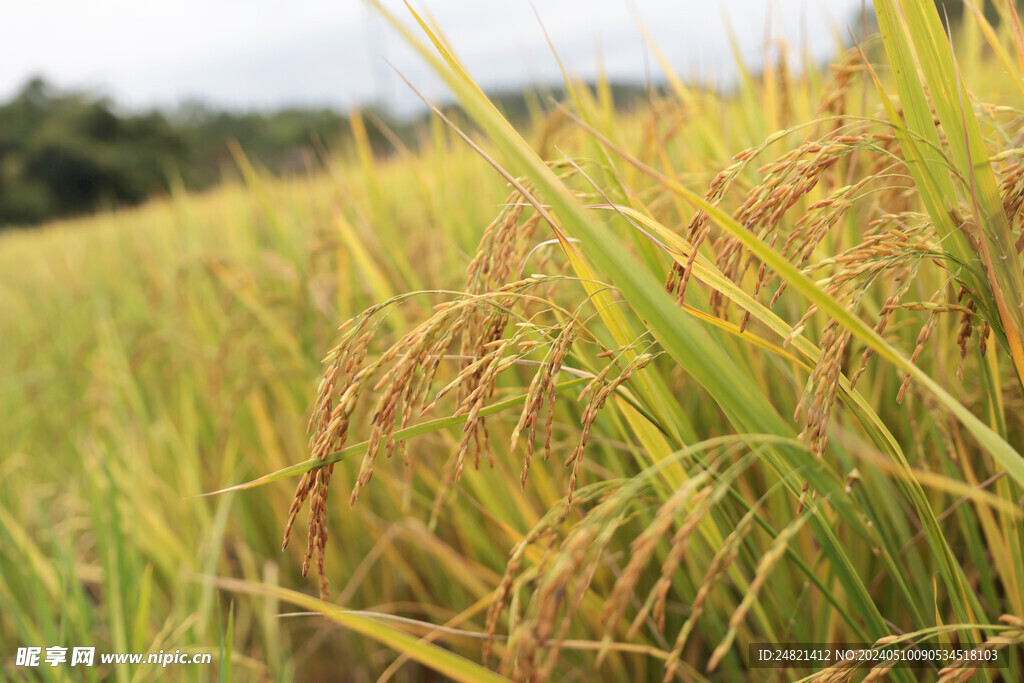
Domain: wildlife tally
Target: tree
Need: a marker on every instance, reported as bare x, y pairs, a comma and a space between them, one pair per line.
63, 154
954, 9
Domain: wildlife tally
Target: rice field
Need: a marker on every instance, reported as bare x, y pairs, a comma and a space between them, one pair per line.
616, 395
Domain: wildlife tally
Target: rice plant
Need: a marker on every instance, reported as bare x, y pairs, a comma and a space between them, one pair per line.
615, 396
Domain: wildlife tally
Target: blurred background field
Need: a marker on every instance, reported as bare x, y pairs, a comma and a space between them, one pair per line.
151, 354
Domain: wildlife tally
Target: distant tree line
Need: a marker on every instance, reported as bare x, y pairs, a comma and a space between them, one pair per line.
992, 9
70, 153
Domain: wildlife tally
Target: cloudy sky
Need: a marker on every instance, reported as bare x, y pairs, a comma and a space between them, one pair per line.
265, 54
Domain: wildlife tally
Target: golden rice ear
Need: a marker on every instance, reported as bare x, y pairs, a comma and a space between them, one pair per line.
401, 378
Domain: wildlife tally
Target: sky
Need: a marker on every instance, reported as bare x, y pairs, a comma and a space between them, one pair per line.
267, 54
